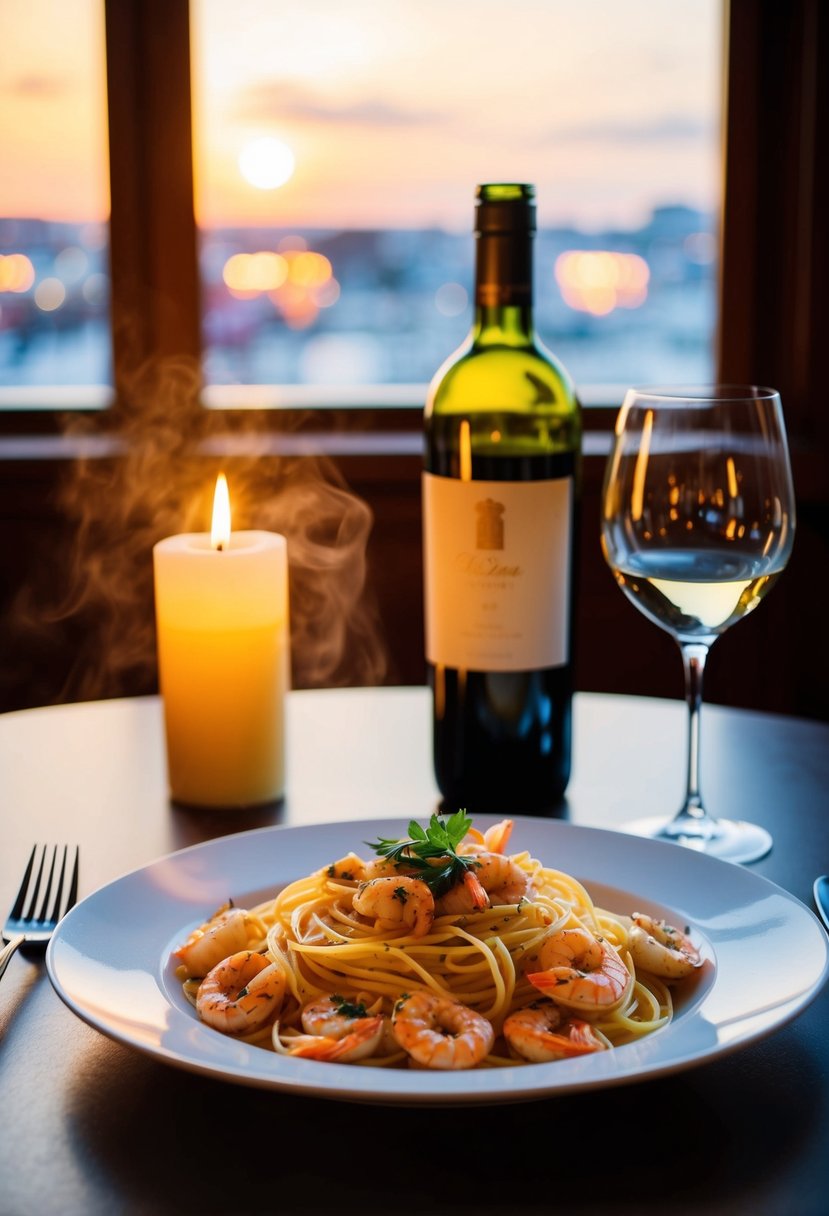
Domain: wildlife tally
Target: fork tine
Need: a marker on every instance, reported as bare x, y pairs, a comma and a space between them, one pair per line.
17, 907
50, 879
72, 897
55, 916
30, 913
20, 929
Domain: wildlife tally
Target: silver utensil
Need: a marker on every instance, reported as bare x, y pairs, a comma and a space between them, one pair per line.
33, 918
821, 892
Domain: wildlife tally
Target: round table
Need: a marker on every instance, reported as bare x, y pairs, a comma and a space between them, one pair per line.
90, 1126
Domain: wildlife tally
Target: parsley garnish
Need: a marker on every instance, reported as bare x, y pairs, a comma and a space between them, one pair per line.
431, 852
349, 1009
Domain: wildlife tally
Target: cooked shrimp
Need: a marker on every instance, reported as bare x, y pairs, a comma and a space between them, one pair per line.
540, 1033
398, 902
440, 1033
241, 993
581, 971
661, 949
333, 1016
361, 1041
497, 837
465, 896
224, 934
499, 878
502, 878
493, 840
385, 867
350, 868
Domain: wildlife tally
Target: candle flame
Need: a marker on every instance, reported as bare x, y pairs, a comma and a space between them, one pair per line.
220, 529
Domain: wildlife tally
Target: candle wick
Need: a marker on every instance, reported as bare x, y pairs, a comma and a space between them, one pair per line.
220, 546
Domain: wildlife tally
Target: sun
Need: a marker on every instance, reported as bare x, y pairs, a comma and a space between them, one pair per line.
266, 163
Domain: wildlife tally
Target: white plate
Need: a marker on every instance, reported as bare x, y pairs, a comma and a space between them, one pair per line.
109, 959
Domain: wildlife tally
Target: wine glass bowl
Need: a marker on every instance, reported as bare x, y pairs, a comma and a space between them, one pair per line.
698, 522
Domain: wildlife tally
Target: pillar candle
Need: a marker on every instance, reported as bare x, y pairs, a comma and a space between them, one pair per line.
224, 657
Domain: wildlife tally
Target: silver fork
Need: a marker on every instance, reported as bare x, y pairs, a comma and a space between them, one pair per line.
32, 918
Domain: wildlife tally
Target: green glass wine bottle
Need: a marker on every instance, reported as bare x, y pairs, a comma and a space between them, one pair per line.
500, 495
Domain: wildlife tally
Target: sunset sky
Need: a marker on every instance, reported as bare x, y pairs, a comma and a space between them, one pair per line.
53, 132
393, 110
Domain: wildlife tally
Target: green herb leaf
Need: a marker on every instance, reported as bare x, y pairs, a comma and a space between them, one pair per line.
431, 853
349, 1009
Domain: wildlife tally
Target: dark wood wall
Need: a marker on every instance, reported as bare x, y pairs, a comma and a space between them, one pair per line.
58, 630
776, 660
65, 531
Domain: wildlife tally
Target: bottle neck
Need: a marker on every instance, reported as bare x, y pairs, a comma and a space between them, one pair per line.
503, 289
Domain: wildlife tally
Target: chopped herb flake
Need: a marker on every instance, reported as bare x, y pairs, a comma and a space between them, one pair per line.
349, 1009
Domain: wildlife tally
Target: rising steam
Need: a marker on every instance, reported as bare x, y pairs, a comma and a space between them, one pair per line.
97, 599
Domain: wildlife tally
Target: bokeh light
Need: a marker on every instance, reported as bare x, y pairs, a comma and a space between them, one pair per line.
16, 272
49, 294
298, 280
451, 299
598, 281
71, 264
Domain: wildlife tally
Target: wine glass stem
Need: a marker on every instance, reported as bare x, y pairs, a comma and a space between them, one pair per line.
693, 658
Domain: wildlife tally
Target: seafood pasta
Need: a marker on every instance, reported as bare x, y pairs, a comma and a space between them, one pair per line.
440, 951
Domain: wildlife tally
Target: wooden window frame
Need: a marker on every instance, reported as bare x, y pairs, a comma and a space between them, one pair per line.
774, 312
773, 257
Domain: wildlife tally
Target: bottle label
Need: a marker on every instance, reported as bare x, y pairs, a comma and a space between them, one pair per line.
496, 572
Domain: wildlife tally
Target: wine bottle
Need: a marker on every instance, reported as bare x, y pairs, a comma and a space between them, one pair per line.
500, 491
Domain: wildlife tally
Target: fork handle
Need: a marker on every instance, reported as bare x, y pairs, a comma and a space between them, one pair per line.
8, 951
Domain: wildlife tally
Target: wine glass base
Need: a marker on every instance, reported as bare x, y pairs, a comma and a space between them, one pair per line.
731, 839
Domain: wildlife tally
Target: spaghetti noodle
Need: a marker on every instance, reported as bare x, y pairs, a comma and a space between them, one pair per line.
348, 950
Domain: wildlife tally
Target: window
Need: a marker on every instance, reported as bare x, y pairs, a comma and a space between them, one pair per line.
336, 148
54, 204
349, 263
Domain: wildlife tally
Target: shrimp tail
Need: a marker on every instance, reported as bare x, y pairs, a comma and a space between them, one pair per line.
590, 990
479, 897
548, 981
497, 837
561, 1045
360, 1042
583, 1038
493, 840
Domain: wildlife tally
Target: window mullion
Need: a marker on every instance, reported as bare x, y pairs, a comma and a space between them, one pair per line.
772, 307
154, 265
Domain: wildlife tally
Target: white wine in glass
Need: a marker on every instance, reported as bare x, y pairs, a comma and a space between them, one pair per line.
698, 519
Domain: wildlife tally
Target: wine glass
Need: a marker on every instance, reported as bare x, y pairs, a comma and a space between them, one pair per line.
698, 520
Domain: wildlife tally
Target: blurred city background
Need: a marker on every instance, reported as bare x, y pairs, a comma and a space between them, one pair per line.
367, 306
335, 154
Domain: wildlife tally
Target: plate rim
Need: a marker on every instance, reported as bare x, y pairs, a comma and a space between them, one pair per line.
345, 1082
